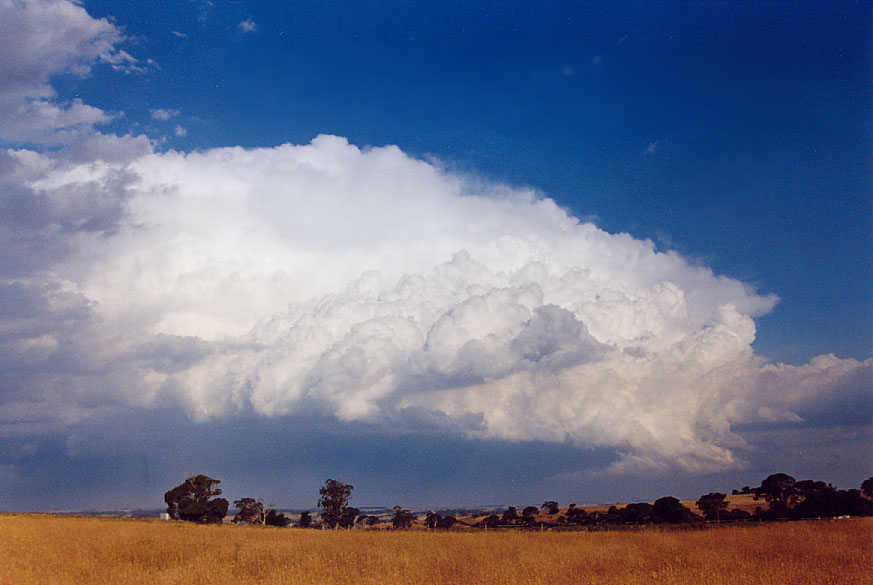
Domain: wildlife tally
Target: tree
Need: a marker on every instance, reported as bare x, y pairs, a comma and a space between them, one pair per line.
639, 513
576, 515
402, 518
251, 511
305, 520
816, 499
510, 516
867, 487
254, 511
349, 517
778, 490
491, 521
551, 506
431, 519
195, 500
275, 518
669, 509
736, 514
712, 505
446, 521
855, 504
335, 496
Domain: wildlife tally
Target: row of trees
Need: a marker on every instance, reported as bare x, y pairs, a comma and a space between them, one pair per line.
197, 500
788, 498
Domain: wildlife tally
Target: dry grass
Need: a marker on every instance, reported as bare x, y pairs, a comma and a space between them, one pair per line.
71, 550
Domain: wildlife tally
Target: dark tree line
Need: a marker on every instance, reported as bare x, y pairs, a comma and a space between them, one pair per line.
197, 500
788, 498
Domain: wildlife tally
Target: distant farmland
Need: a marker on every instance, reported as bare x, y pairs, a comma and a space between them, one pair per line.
63, 550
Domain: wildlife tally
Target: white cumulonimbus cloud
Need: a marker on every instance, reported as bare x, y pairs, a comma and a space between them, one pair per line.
364, 285
371, 286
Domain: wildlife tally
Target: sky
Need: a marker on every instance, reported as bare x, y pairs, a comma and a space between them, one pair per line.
457, 255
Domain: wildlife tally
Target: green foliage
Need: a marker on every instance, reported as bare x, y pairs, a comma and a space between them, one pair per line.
510, 516
436, 520
867, 487
669, 509
402, 518
335, 496
641, 513
195, 500
712, 505
491, 521
251, 511
274, 518
348, 517
576, 515
778, 490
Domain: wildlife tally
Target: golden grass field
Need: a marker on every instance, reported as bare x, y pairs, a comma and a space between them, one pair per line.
66, 550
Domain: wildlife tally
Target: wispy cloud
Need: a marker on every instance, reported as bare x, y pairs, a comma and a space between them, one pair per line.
163, 113
180, 131
204, 7
653, 147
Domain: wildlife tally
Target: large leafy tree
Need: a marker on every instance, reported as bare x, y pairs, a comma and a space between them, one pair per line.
669, 509
334, 503
712, 505
196, 500
778, 490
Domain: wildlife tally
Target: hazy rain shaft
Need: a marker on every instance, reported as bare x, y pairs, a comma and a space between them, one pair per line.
368, 285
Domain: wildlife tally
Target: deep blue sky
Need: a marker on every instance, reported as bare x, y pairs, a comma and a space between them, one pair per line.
738, 133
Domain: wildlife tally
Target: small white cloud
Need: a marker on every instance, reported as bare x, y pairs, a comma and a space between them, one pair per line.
180, 131
176, 33
163, 114
247, 26
653, 147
